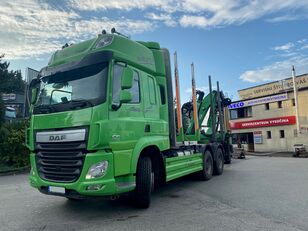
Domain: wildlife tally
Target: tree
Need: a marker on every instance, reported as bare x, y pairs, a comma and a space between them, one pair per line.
2, 111
10, 81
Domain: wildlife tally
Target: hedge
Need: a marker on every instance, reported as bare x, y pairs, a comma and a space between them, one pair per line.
13, 152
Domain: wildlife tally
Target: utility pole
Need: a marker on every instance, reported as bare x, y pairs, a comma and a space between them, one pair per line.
25, 92
296, 101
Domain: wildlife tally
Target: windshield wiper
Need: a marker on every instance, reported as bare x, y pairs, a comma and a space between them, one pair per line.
79, 103
45, 108
72, 104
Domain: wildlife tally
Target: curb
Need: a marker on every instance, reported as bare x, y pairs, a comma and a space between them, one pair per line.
14, 171
259, 154
271, 154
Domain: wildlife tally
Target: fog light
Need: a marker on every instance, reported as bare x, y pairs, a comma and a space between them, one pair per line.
97, 170
94, 187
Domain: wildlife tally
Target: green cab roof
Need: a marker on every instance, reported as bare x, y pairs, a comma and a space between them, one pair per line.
140, 54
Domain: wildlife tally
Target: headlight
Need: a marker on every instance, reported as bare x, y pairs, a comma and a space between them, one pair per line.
104, 41
97, 170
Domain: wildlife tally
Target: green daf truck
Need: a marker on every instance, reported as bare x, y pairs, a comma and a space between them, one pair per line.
104, 123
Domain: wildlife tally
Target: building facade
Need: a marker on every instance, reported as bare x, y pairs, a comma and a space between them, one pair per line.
264, 119
14, 105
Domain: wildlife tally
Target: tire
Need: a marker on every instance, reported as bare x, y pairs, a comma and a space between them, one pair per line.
75, 199
219, 162
207, 171
228, 159
144, 183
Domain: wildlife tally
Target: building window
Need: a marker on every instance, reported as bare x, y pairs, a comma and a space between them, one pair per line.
269, 135
243, 112
233, 114
293, 102
281, 133
295, 133
279, 104
267, 106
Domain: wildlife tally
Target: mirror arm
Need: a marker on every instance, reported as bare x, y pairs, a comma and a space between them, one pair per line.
116, 107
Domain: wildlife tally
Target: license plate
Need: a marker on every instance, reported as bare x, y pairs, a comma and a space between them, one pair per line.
54, 189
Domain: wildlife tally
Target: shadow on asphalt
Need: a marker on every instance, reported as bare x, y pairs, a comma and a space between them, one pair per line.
167, 191
122, 209
124, 205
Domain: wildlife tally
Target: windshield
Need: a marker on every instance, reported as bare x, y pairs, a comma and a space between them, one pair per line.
77, 88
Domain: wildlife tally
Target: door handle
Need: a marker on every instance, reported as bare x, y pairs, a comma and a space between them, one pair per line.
147, 128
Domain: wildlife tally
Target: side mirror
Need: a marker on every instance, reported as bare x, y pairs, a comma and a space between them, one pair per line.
127, 78
33, 90
125, 96
34, 94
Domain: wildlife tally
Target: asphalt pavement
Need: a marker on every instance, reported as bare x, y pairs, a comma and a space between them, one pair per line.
259, 193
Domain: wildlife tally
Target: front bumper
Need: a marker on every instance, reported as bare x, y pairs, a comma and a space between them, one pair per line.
110, 184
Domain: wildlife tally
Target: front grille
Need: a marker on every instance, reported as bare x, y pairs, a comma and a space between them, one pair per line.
60, 162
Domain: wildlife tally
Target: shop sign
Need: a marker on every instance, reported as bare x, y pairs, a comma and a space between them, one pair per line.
273, 88
257, 137
6, 97
278, 121
263, 100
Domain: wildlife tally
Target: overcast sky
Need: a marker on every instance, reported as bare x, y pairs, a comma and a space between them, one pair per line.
241, 43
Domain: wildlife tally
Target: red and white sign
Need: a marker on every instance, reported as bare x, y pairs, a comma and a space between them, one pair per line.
287, 120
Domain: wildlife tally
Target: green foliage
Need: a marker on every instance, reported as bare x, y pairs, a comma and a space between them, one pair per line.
12, 149
13, 153
10, 81
2, 111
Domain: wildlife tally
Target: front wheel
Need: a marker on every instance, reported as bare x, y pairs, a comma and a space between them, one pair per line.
207, 171
228, 159
75, 199
144, 183
219, 163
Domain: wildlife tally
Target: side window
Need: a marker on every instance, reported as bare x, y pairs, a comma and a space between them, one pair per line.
135, 90
162, 94
116, 87
152, 90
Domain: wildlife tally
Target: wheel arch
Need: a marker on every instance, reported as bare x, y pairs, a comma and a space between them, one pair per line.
158, 165
152, 146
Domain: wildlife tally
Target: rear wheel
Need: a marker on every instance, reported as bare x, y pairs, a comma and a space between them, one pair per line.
219, 163
228, 155
144, 183
207, 171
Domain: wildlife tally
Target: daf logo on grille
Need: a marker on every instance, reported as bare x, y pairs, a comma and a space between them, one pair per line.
57, 137
61, 136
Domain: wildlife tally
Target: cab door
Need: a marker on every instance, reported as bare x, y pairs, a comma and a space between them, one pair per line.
154, 125
127, 122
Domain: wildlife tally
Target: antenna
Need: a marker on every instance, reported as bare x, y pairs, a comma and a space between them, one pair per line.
113, 31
